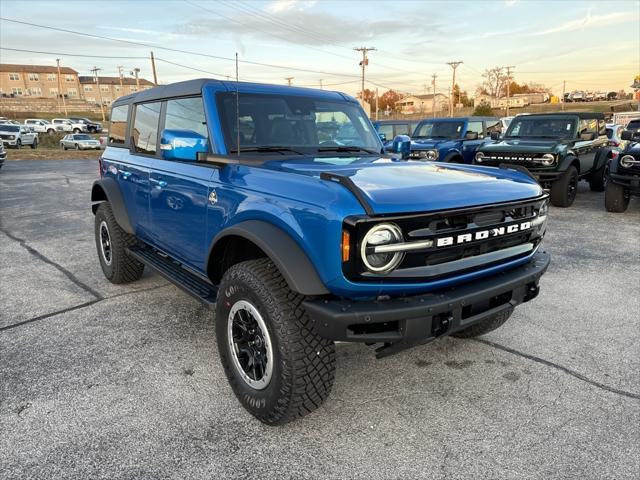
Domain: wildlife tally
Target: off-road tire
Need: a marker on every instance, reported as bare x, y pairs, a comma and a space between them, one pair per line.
34, 145
303, 362
560, 195
616, 200
484, 326
123, 268
598, 180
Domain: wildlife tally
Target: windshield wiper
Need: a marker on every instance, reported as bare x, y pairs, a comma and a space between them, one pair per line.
342, 148
266, 148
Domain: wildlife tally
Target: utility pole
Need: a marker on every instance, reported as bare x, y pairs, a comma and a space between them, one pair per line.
289, 79
433, 100
363, 64
135, 73
376, 103
95, 71
321, 85
564, 86
509, 67
60, 94
153, 69
120, 67
453, 65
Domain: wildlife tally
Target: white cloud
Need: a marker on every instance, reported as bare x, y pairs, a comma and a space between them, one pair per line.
284, 5
510, 3
590, 21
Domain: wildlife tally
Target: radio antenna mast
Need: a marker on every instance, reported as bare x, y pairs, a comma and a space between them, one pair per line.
237, 109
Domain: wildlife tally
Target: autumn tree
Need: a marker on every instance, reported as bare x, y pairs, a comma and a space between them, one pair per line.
388, 100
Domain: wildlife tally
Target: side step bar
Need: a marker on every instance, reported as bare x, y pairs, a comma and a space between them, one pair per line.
173, 271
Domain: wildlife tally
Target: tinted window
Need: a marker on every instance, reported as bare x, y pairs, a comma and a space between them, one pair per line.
402, 129
118, 126
549, 127
186, 114
82, 137
439, 130
633, 125
475, 127
588, 126
387, 130
10, 128
494, 127
145, 127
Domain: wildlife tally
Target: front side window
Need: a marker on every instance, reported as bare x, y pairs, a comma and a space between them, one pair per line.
118, 125
304, 124
145, 127
446, 130
527, 126
186, 114
475, 127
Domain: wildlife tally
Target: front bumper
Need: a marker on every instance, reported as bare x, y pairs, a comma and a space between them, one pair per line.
11, 143
629, 181
419, 319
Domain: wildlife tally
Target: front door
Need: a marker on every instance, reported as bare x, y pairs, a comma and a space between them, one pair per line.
588, 149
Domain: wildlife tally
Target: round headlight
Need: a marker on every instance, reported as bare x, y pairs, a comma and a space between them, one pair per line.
379, 236
627, 161
432, 154
548, 159
422, 153
12, 137
479, 157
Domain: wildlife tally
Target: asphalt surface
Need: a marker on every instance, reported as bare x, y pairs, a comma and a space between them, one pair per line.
123, 382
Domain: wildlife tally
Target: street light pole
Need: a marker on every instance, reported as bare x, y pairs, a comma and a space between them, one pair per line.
61, 95
453, 65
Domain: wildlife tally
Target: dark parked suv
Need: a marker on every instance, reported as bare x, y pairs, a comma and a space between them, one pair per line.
623, 175
558, 149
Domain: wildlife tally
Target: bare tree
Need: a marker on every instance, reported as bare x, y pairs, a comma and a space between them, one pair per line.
495, 81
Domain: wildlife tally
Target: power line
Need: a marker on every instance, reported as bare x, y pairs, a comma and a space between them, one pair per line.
71, 54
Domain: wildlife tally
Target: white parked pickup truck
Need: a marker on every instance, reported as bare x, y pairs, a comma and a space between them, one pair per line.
17, 135
39, 125
68, 125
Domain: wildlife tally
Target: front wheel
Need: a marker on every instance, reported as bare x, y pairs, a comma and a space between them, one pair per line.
564, 189
616, 199
34, 145
51, 131
484, 326
76, 130
77, 147
19, 144
277, 366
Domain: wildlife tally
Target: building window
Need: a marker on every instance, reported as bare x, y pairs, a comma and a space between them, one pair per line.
72, 92
51, 77
68, 78
104, 88
14, 76
118, 88
16, 90
35, 91
34, 77
132, 88
91, 99
53, 92
88, 88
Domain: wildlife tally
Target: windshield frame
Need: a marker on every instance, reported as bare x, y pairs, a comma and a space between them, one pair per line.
360, 123
530, 118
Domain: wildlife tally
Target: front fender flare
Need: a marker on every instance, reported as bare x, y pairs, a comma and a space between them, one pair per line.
602, 157
284, 251
567, 162
107, 190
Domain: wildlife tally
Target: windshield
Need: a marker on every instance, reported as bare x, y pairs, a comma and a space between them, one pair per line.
295, 125
9, 128
439, 130
82, 137
522, 127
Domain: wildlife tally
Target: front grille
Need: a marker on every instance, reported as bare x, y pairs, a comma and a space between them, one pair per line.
495, 158
452, 224
6, 137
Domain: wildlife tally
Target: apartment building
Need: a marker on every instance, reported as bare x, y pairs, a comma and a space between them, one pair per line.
38, 81
107, 89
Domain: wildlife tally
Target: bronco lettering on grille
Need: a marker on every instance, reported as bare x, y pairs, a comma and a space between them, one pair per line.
482, 234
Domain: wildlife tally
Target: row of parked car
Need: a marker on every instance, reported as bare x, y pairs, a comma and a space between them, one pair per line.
16, 135
557, 149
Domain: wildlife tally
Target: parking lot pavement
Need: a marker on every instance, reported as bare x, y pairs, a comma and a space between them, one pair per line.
105, 381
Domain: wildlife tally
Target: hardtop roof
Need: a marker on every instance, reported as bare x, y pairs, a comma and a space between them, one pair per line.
581, 115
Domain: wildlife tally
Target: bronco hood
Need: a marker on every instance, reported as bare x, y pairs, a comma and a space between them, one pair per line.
517, 145
403, 186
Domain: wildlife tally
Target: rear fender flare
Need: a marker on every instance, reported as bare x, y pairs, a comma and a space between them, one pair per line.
107, 190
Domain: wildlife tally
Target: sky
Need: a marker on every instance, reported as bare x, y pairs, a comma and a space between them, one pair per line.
589, 44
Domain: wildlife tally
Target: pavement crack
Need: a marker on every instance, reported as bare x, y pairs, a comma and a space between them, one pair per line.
78, 307
75, 280
561, 368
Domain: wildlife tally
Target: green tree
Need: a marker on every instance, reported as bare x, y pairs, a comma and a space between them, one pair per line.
483, 109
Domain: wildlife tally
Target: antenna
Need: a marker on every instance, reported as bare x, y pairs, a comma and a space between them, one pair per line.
237, 110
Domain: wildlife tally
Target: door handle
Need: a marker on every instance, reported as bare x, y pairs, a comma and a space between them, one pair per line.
159, 183
125, 174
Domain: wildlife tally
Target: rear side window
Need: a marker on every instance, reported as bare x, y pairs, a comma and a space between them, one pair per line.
186, 114
145, 127
386, 130
118, 125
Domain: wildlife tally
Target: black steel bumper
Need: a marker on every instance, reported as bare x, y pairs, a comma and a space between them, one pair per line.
409, 321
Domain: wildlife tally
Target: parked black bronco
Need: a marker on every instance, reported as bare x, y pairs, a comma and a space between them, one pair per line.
557, 149
623, 176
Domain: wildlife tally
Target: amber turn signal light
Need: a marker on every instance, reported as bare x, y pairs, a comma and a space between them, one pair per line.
346, 246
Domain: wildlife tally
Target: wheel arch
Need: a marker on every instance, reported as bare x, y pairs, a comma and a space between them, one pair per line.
107, 190
253, 239
569, 161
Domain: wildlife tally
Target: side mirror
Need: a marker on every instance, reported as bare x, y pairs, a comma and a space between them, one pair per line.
495, 135
471, 136
383, 137
626, 135
182, 145
588, 136
402, 145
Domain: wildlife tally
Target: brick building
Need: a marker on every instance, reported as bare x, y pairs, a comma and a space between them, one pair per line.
110, 88
38, 81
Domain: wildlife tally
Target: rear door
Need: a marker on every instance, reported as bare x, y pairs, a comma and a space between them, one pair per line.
179, 190
587, 149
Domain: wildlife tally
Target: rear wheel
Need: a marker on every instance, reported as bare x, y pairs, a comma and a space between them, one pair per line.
111, 244
51, 131
76, 130
276, 364
616, 199
598, 180
563, 190
484, 326
34, 145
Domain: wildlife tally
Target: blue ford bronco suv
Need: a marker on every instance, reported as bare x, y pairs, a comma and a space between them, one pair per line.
238, 194
452, 140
